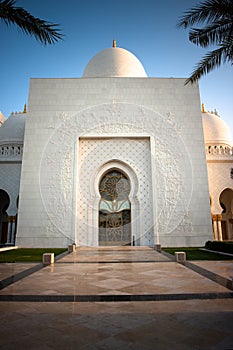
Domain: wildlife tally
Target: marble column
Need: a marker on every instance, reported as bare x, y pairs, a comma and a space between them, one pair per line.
13, 230
215, 228
9, 229
219, 218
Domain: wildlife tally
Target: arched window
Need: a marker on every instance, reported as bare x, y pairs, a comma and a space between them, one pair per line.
114, 209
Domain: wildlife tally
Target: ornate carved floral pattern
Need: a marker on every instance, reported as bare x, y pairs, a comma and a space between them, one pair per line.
114, 186
128, 122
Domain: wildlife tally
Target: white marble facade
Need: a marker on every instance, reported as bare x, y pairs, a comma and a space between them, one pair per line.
77, 129
219, 156
11, 151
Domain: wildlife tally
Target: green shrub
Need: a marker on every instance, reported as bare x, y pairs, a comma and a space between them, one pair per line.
225, 247
194, 253
28, 254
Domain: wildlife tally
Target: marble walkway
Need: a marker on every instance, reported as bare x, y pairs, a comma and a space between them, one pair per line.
117, 298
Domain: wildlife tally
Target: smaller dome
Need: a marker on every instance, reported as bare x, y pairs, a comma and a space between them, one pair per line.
114, 62
216, 131
13, 129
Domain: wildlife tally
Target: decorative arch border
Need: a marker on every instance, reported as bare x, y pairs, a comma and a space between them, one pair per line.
174, 192
8, 197
10, 219
220, 193
95, 199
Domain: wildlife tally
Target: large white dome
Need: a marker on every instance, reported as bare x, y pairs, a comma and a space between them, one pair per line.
114, 62
216, 130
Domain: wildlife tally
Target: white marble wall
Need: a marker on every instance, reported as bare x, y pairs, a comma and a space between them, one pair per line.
64, 111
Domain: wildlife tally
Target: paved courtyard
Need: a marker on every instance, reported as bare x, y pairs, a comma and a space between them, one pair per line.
117, 298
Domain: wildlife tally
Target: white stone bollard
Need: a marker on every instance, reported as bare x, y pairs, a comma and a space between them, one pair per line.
48, 258
158, 247
180, 257
71, 248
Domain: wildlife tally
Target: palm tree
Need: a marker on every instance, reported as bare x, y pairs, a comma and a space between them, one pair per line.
43, 31
217, 18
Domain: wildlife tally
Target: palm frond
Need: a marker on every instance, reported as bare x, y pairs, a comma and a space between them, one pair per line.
216, 18
45, 32
214, 33
206, 12
210, 61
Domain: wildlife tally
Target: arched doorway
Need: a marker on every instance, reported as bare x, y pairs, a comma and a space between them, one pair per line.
4, 204
114, 209
226, 202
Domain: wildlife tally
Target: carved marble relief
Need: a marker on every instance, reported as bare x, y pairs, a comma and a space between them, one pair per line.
125, 122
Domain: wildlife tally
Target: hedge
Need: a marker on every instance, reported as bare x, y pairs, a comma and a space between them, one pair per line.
226, 247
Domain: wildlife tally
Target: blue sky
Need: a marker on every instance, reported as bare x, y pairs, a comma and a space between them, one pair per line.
147, 28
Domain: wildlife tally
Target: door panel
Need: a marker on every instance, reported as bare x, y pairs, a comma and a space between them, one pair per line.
115, 228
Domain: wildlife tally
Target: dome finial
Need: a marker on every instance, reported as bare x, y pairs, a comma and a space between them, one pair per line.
25, 108
114, 43
203, 108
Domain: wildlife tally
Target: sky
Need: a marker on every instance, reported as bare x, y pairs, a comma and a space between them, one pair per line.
146, 28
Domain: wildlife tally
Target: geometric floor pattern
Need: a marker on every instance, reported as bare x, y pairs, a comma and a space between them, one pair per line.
117, 298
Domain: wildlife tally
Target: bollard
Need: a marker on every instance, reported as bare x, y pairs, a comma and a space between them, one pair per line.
48, 258
180, 257
71, 248
158, 247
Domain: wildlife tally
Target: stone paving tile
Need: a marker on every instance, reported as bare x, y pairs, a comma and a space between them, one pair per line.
189, 325
222, 268
116, 254
11, 269
124, 278
85, 279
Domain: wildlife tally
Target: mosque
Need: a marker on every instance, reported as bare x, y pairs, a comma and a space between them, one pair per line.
115, 158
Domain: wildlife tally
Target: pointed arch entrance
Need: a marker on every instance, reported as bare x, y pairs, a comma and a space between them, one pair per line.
4, 204
114, 209
226, 202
